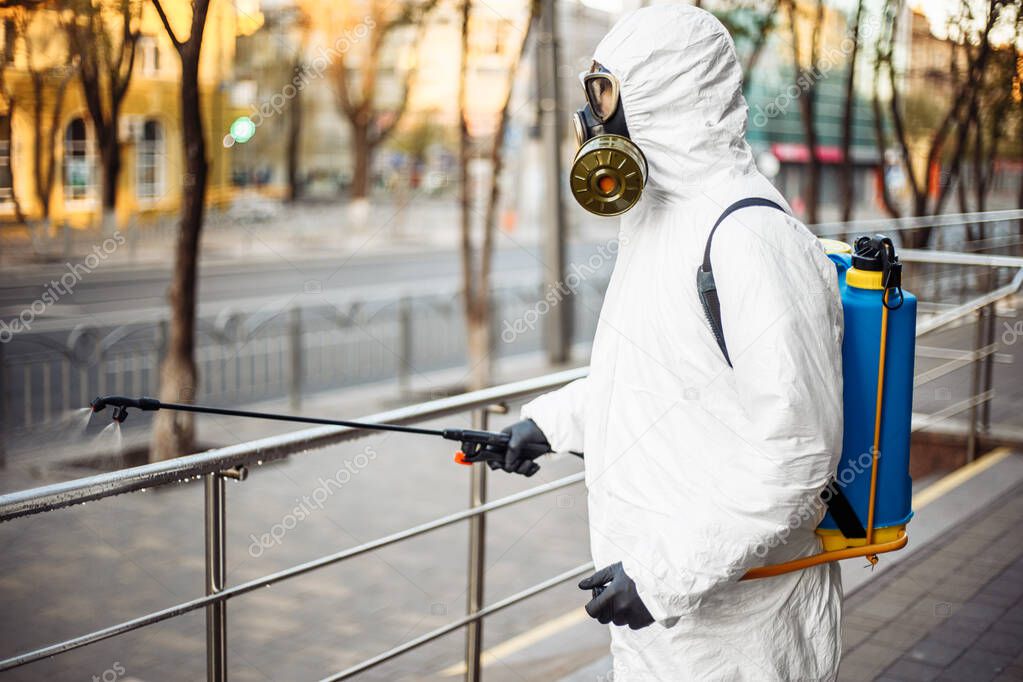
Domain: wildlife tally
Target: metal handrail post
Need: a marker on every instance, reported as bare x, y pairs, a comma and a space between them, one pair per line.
216, 573
4, 385
975, 376
477, 559
989, 362
405, 346
295, 368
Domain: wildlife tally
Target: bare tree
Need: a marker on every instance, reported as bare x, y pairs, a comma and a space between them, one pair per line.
746, 26
293, 142
174, 432
760, 35
849, 115
477, 262
294, 20
806, 74
478, 342
370, 121
45, 128
927, 195
12, 27
103, 37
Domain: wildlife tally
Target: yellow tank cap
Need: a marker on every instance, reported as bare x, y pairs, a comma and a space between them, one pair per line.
863, 279
834, 246
833, 539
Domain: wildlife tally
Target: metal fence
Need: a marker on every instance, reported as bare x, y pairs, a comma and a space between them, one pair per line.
271, 350
232, 462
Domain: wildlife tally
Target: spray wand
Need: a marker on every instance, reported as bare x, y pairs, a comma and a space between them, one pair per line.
477, 446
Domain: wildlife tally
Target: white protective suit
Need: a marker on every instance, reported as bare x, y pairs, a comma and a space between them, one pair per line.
697, 471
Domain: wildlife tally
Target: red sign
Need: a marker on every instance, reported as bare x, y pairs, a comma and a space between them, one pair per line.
788, 152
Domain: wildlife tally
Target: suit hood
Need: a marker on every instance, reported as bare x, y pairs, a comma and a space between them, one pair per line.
681, 88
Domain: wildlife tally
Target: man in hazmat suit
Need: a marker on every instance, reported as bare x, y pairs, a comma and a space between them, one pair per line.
698, 468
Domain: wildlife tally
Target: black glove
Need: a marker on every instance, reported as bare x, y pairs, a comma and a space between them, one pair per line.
615, 599
518, 458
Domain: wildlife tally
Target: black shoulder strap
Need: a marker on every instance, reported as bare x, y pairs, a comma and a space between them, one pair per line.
837, 503
705, 275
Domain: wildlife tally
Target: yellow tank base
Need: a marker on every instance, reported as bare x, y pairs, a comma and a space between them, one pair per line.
834, 540
864, 550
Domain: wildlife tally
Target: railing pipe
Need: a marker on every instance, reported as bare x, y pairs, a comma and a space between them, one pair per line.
59, 495
295, 365
284, 574
461, 622
477, 559
216, 574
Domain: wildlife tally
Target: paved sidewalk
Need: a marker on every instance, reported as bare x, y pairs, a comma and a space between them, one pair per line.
953, 612
950, 606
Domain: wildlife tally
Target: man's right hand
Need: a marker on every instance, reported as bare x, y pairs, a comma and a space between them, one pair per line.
518, 458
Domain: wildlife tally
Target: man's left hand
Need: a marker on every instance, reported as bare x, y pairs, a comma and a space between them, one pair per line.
618, 601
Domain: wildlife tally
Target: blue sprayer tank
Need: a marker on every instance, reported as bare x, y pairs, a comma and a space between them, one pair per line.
862, 278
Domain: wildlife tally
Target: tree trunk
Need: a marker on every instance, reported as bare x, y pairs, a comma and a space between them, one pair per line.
813, 164
848, 116
1019, 204
294, 139
174, 432
110, 160
363, 150
478, 340
41, 190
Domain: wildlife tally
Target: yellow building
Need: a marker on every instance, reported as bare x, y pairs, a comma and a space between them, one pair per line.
149, 184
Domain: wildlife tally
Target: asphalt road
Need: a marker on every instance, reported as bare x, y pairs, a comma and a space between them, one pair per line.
121, 288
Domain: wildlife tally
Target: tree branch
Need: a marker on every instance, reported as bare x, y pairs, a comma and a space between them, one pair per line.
167, 27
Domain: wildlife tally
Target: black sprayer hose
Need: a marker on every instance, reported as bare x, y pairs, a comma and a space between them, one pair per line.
304, 420
477, 446
152, 404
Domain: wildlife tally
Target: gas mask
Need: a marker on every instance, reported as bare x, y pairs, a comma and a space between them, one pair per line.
609, 171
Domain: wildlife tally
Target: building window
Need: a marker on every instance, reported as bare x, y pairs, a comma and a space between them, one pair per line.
6, 179
149, 55
150, 157
79, 176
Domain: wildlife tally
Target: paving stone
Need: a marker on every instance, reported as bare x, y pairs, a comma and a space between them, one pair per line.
887, 605
953, 636
978, 666
1014, 673
908, 586
864, 621
989, 599
900, 635
854, 636
877, 654
906, 669
858, 669
1008, 627
937, 652
1009, 587
1000, 642
974, 610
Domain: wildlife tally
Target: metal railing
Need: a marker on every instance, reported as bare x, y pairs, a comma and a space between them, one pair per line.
232, 462
265, 349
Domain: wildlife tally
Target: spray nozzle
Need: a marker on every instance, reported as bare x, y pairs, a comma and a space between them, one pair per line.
121, 404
